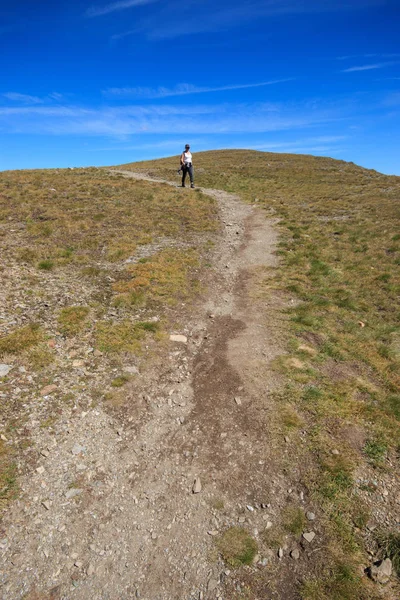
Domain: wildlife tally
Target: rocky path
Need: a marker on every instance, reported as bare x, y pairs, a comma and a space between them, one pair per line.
130, 507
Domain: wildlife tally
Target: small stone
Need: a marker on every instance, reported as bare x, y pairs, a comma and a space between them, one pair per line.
154, 535
382, 572
268, 525
132, 370
78, 363
295, 554
77, 449
310, 516
213, 533
49, 389
182, 339
90, 570
335, 452
238, 401
40, 470
45, 452
196, 486
287, 439
46, 504
212, 585
78, 564
385, 493
250, 508
73, 492
51, 343
280, 553
97, 353
309, 536
4, 369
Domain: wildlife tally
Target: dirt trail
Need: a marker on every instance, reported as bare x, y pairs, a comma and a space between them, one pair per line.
130, 526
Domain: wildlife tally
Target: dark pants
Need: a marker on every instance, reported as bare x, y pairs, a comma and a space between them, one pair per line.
185, 171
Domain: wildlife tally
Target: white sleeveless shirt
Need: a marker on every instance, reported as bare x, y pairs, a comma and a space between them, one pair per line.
187, 157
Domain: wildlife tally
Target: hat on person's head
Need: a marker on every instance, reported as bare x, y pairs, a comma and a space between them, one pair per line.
187, 145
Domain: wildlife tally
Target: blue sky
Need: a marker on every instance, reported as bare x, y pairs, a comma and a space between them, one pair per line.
104, 82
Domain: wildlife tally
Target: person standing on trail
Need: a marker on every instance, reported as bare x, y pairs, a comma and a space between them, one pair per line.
187, 166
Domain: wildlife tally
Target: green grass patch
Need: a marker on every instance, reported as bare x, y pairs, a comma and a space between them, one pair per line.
71, 319
237, 547
21, 339
122, 337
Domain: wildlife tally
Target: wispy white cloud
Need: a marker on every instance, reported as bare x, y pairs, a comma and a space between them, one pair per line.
377, 55
22, 98
177, 18
184, 89
153, 119
98, 11
370, 67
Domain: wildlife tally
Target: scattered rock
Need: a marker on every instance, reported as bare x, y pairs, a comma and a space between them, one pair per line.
78, 449
287, 439
213, 533
250, 508
238, 401
268, 525
196, 486
335, 452
4, 369
212, 585
132, 370
178, 338
49, 389
295, 554
97, 353
46, 504
280, 553
71, 493
310, 516
90, 570
78, 363
381, 572
40, 470
309, 536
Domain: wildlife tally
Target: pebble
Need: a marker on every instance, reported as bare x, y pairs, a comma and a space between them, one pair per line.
48, 390
242, 519
212, 585
295, 554
335, 452
77, 449
382, 572
250, 508
40, 470
287, 440
196, 486
268, 525
238, 401
90, 570
309, 536
78, 363
4, 369
132, 370
178, 338
310, 516
73, 492
46, 504
213, 533
280, 553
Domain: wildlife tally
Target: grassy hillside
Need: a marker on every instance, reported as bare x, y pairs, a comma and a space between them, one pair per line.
340, 251
68, 291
